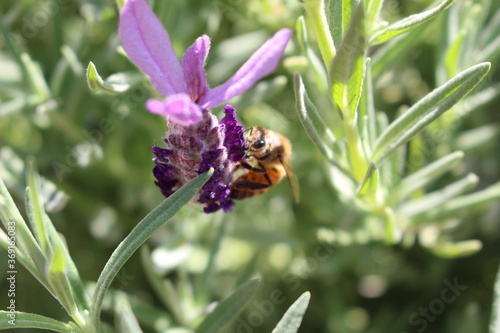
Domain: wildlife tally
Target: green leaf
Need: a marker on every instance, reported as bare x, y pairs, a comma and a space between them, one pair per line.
495, 311
408, 23
313, 122
142, 231
291, 320
370, 183
113, 85
56, 274
54, 242
25, 241
477, 100
437, 198
348, 67
72, 58
468, 203
36, 78
367, 113
219, 319
335, 13
372, 12
35, 209
427, 175
491, 31
315, 64
387, 55
31, 320
315, 127
452, 56
478, 138
460, 249
428, 109
316, 14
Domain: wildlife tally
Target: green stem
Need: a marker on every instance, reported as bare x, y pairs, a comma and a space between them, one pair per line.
316, 11
357, 160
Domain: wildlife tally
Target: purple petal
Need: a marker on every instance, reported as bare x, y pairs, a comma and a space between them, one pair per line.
262, 63
177, 108
147, 44
234, 140
193, 67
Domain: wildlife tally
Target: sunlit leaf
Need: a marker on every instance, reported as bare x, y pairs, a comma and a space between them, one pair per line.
291, 320
348, 67
451, 250
408, 23
31, 320
439, 197
143, 230
115, 84
428, 109
427, 175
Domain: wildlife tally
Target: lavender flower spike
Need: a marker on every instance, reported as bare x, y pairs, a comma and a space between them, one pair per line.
196, 141
185, 88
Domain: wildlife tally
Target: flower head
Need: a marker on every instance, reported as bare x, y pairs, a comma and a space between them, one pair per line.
195, 140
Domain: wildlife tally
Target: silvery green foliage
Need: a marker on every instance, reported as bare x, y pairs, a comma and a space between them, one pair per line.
369, 162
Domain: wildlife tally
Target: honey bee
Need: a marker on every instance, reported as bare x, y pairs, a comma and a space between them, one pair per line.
269, 155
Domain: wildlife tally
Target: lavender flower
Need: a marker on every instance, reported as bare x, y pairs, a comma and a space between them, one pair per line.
195, 140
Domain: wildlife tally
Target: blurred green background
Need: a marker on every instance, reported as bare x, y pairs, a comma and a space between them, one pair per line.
97, 150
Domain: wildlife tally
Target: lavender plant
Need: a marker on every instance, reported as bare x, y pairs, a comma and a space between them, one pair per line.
366, 153
392, 177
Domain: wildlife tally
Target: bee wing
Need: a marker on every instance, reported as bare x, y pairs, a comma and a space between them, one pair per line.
292, 179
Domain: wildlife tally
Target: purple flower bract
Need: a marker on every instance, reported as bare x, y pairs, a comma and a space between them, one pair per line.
195, 140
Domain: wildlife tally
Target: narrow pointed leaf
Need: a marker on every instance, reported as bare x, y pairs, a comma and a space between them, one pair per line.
372, 12
144, 229
478, 138
409, 23
36, 78
451, 250
313, 123
428, 174
53, 238
334, 13
314, 62
315, 126
439, 197
348, 67
291, 320
113, 85
369, 185
25, 240
428, 109
477, 100
56, 273
452, 56
468, 203
219, 319
31, 320
491, 31
388, 54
